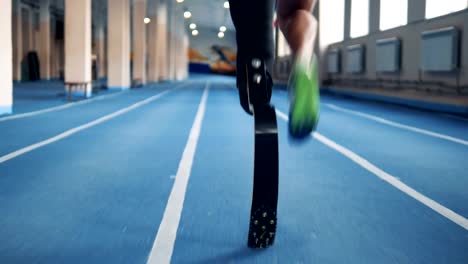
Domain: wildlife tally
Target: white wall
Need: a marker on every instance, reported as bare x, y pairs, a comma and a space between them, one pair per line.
6, 57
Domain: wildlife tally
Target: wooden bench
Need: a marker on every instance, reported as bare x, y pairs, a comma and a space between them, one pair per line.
137, 83
70, 87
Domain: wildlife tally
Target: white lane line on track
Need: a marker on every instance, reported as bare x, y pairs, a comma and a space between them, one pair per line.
75, 130
398, 125
392, 180
59, 107
163, 246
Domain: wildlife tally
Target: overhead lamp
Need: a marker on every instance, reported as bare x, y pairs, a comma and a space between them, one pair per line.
193, 26
226, 4
180, 1
146, 20
222, 28
194, 32
187, 14
220, 35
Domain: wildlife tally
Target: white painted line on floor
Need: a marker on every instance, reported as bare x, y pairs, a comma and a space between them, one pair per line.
161, 252
57, 108
392, 180
75, 130
399, 125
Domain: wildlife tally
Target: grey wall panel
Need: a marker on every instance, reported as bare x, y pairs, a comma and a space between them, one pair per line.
388, 55
439, 50
411, 54
333, 60
355, 59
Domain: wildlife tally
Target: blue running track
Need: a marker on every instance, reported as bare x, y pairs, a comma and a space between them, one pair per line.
98, 195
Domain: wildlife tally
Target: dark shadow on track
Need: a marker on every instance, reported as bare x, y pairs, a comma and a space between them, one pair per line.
242, 253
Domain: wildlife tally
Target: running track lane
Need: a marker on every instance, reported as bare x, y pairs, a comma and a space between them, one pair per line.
330, 209
97, 196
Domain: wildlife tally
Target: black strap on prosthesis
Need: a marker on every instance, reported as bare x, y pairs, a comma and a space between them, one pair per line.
262, 229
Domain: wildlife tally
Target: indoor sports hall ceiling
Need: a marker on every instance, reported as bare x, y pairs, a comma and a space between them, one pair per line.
209, 13
205, 13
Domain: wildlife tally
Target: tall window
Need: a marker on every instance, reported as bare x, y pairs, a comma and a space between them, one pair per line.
359, 18
435, 8
393, 13
331, 19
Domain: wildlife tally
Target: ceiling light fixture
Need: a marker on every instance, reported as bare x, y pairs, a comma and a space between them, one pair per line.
194, 32
226, 4
222, 28
193, 26
187, 14
220, 35
180, 1
146, 20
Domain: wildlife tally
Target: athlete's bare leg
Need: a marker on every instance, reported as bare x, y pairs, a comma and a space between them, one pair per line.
300, 29
298, 26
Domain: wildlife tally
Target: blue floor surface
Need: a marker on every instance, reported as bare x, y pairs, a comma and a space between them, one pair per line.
38, 95
98, 196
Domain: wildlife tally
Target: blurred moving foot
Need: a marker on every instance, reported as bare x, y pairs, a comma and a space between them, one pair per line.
304, 95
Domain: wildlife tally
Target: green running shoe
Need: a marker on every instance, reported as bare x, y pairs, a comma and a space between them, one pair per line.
304, 95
